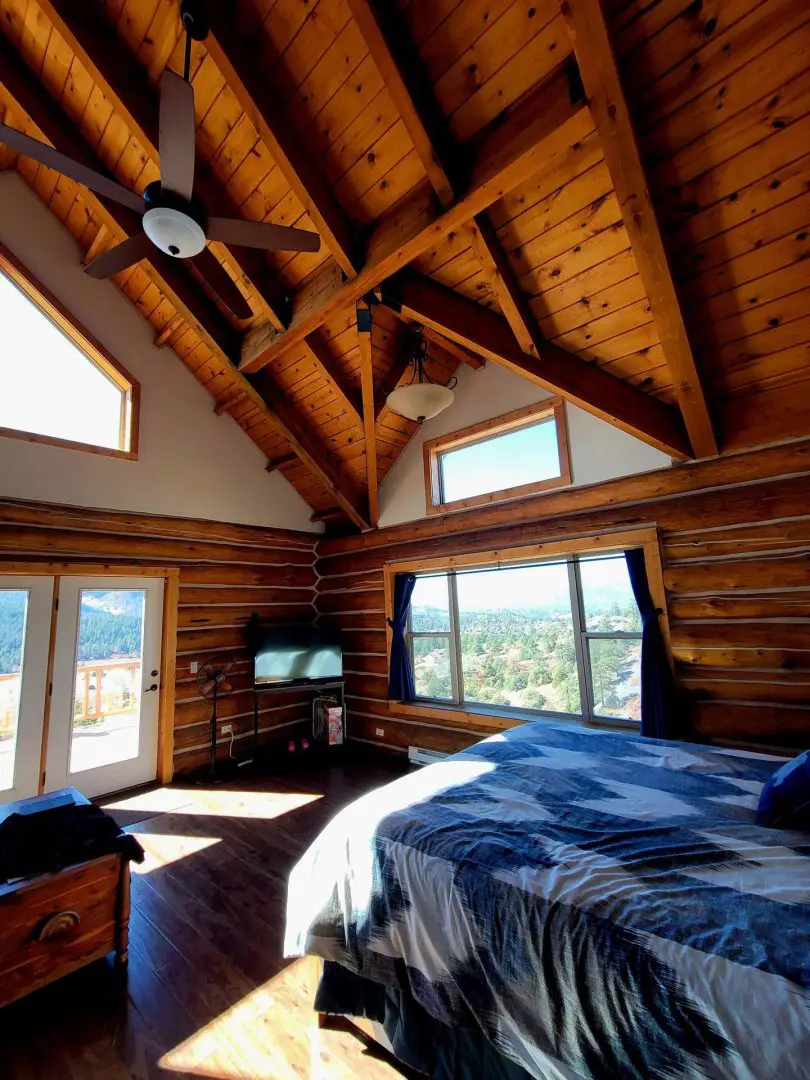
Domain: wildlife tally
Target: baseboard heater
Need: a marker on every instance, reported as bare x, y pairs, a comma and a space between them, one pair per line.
417, 755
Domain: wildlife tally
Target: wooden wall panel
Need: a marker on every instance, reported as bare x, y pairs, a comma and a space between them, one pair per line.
226, 573
735, 542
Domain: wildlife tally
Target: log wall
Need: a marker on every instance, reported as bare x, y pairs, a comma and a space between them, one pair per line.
226, 572
735, 542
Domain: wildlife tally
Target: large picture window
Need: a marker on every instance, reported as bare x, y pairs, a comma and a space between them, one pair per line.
559, 637
57, 385
521, 453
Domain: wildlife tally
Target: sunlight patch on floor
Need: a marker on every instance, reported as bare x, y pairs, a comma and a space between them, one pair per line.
272, 1032
215, 802
161, 850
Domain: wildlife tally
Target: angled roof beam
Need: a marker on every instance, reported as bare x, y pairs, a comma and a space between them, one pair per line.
600, 74
126, 86
323, 360
313, 455
244, 70
386, 34
171, 276
548, 127
369, 430
489, 334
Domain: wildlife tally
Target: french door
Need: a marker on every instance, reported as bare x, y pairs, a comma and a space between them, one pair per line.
89, 707
26, 604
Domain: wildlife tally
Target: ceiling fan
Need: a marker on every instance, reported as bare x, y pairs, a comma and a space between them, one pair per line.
173, 220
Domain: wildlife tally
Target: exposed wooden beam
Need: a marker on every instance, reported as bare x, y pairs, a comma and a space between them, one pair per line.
478, 328
388, 39
276, 463
162, 339
171, 275
312, 453
228, 403
547, 129
386, 35
330, 369
244, 69
329, 514
369, 430
464, 356
504, 284
126, 86
600, 74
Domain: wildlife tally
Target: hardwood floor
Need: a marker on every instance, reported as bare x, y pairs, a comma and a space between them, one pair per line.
208, 992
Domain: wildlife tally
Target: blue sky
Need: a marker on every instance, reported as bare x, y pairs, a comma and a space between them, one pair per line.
509, 460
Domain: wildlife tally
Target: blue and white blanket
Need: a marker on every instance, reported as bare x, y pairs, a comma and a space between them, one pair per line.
600, 905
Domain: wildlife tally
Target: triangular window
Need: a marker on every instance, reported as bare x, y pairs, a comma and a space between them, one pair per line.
57, 385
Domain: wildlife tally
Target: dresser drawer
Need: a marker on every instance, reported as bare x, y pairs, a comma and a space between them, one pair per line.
57, 923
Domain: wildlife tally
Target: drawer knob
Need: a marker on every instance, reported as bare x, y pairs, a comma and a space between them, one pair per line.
58, 925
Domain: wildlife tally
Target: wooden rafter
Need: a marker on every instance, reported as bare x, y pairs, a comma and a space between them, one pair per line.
244, 70
504, 284
330, 369
312, 454
543, 130
487, 333
369, 429
463, 356
173, 279
385, 33
124, 83
600, 74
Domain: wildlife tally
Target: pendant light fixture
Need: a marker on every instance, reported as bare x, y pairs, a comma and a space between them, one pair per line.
421, 398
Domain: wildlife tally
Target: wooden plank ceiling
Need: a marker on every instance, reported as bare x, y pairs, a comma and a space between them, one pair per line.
642, 253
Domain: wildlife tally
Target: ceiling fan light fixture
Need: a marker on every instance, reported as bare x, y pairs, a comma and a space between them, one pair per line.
420, 401
175, 233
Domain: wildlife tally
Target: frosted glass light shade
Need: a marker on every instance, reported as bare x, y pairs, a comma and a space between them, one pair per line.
420, 401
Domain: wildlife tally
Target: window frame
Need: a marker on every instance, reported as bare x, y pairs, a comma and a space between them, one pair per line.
53, 310
502, 717
433, 449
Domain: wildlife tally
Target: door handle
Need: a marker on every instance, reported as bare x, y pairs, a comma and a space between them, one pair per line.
148, 689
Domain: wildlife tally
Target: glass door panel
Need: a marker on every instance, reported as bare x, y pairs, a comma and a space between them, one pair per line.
107, 694
104, 716
25, 618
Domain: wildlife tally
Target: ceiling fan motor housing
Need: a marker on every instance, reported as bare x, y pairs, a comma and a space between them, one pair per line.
172, 224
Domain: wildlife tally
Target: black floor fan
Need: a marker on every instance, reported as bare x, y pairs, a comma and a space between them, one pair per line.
213, 685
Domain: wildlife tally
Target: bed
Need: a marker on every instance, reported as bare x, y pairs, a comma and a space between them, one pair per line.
558, 902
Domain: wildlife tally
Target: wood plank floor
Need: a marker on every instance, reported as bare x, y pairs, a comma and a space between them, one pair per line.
208, 992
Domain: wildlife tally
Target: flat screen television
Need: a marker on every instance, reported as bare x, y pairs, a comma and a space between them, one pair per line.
296, 654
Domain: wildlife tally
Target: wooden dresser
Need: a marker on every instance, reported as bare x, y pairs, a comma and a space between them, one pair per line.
52, 924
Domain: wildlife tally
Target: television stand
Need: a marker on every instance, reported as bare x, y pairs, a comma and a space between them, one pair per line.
315, 688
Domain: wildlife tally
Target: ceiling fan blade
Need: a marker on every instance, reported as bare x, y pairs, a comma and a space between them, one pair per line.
261, 234
126, 253
217, 277
176, 137
46, 155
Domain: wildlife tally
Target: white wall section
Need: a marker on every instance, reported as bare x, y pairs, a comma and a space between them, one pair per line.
598, 450
191, 463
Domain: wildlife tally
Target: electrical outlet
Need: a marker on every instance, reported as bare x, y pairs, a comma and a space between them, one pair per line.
227, 729
379, 731
193, 667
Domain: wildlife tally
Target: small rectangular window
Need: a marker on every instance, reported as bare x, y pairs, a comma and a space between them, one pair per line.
519, 454
57, 385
